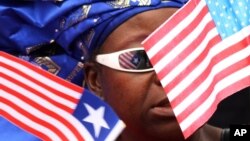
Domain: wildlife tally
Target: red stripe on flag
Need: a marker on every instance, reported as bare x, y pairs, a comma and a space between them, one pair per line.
183, 34
32, 117
188, 70
125, 60
25, 86
190, 48
25, 98
221, 75
166, 28
43, 73
222, 95
215, 60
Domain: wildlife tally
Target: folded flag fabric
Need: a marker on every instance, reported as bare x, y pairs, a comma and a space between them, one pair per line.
52, 108
202, 55
10, 132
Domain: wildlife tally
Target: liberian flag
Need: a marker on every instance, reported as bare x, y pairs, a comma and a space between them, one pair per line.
202, 55
52, 108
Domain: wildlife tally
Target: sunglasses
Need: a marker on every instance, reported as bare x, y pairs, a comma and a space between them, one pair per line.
129, 60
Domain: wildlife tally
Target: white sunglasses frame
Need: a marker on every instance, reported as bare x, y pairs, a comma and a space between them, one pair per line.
111, 60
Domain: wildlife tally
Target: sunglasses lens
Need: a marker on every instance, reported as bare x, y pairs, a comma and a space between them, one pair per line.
134, 60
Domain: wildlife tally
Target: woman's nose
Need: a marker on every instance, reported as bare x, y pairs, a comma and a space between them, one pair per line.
157, 80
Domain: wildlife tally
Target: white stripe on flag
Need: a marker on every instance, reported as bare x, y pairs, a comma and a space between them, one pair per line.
33, 111
49, 94
42, 79
218, 48
188, 60
227, 62
183, 44
174, 32
27, 121
231, 79
40, 102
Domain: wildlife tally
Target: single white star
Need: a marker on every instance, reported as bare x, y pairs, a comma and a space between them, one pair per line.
217, 3
235, 29
214, 13
223, 35
226, 25
243, 23
135, 60
96, 118
240, 4
245, 14
218, 23
237, 12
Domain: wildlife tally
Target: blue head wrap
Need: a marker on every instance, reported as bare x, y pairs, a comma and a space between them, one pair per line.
77, 26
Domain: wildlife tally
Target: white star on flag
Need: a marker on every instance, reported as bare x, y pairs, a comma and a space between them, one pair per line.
96, 118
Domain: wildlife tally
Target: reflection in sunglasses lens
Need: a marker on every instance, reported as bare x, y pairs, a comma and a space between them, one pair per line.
134, 60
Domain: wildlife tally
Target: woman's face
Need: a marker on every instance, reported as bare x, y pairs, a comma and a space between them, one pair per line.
138, 98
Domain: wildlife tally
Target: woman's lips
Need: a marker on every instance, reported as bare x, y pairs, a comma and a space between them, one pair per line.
162, 109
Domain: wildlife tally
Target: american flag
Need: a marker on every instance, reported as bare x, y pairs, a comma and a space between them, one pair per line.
202, 55
50, 107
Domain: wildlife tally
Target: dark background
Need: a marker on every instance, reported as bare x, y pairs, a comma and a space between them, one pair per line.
233, 110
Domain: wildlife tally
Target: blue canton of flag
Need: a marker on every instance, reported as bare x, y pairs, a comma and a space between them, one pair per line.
98, 118
230, 16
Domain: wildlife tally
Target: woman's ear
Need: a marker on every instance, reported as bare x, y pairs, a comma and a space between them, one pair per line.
92, 78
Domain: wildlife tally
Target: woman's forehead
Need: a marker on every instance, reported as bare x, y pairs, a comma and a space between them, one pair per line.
133, 31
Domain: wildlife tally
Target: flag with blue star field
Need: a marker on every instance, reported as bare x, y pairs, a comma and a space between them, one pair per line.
52, 108
202, 55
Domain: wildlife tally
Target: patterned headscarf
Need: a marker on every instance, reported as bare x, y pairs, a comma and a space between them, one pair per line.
76, 26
